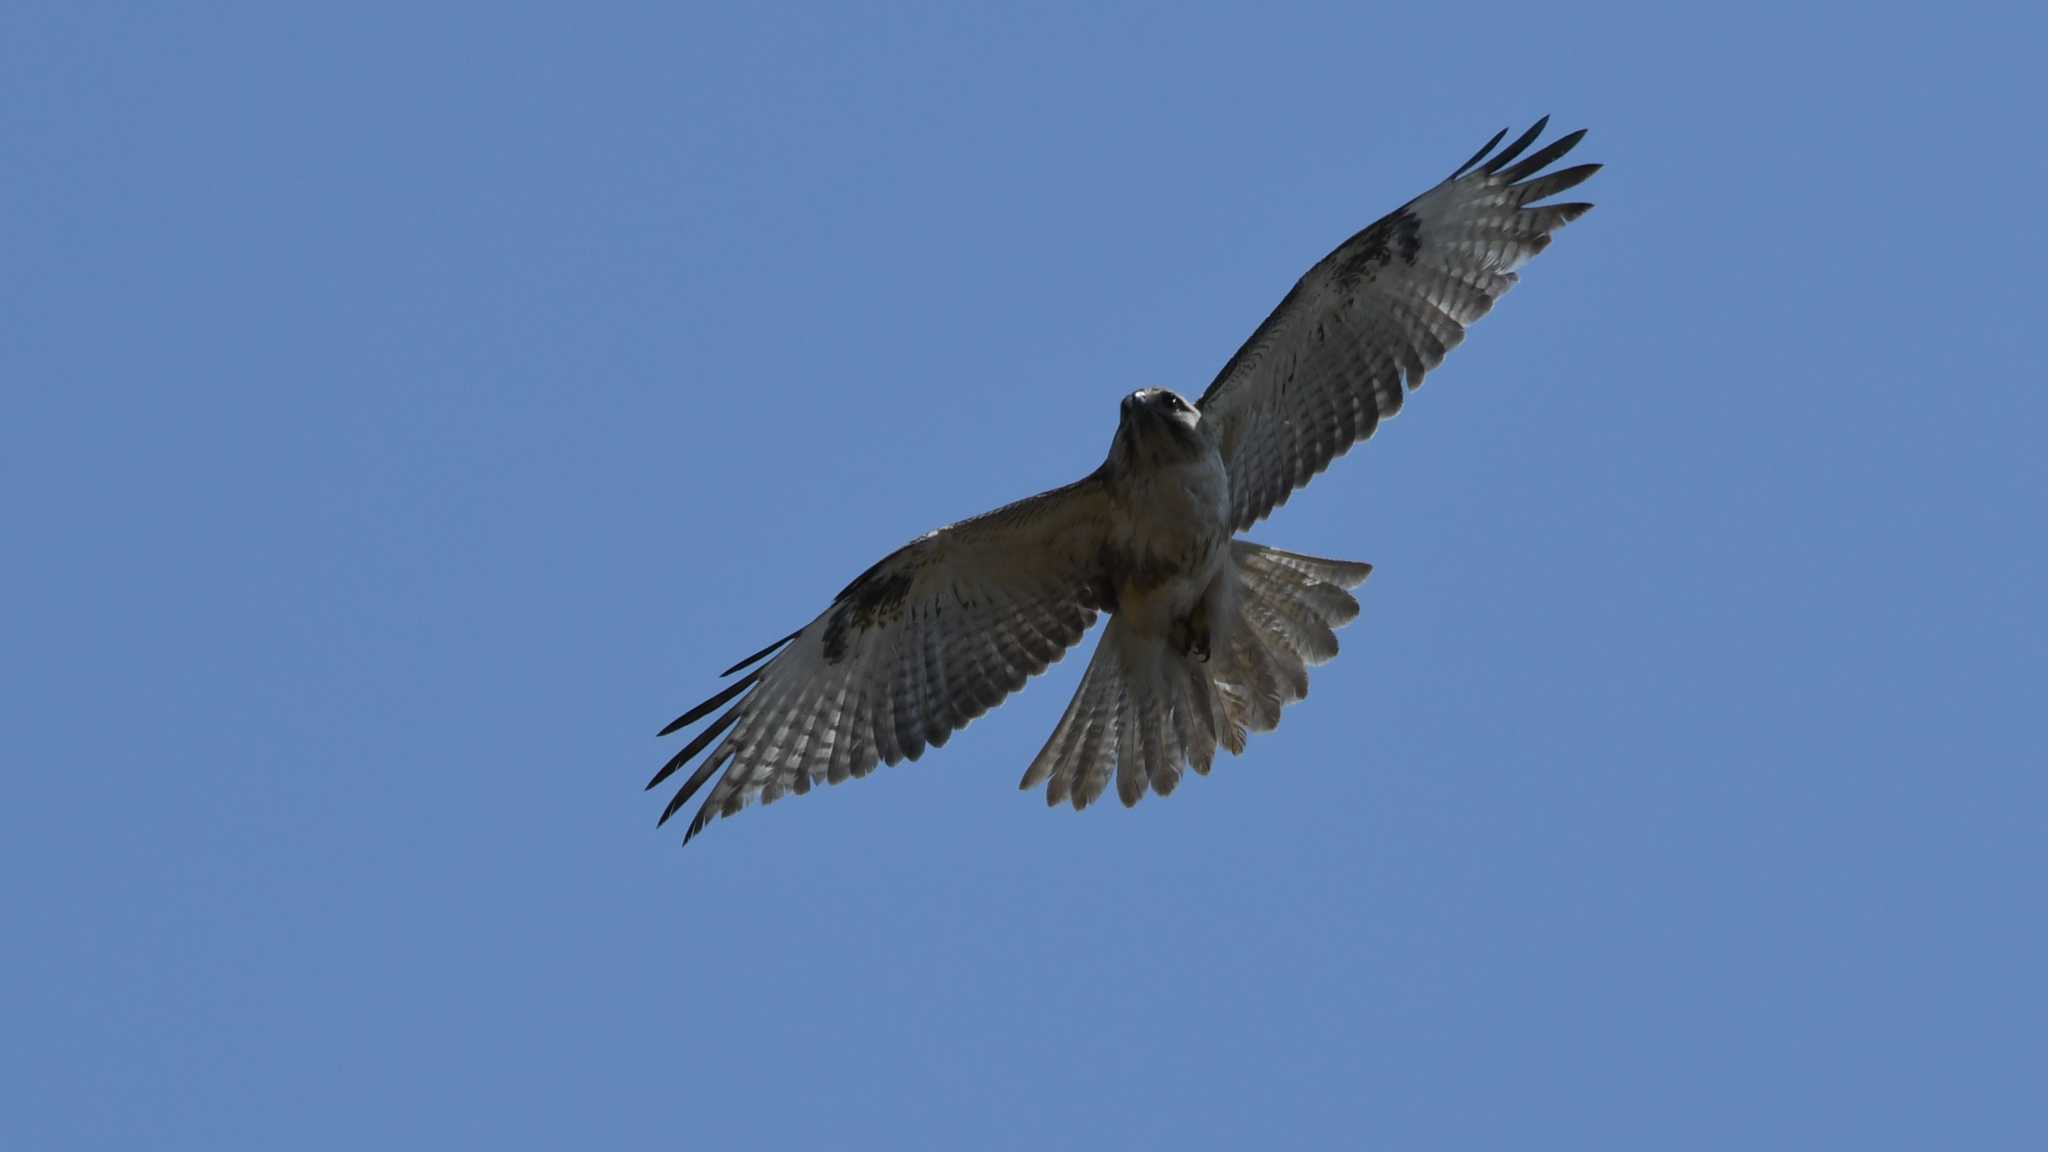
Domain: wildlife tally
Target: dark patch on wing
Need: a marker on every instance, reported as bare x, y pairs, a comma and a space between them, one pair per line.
1407, 240
874, 595
1394, 235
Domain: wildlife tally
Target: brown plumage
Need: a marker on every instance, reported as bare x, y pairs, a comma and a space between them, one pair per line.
1209, 637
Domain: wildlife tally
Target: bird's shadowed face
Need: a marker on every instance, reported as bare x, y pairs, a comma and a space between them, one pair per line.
1157, 428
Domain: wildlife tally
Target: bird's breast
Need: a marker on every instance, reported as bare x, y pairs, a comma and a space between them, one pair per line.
1171, 532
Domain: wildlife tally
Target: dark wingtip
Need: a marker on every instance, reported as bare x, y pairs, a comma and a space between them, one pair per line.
702, 741
712, 705
700, 821
1480, 155
769, 650
1544, 185
1540, 160
1522, 142
675, 805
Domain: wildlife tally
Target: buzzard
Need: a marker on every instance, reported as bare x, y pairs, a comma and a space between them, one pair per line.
1209, 636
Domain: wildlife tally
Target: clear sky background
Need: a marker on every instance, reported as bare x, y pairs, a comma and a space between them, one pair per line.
408, 411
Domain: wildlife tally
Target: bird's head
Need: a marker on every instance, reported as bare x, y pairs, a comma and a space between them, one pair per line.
1156, 427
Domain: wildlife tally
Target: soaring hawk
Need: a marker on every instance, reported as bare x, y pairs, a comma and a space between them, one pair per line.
1209, 636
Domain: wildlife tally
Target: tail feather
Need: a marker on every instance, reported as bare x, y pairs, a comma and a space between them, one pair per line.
1144, 711
1090, 775
1166, 719
1066, 735
1251, 668
1341, 573
1196, 723
1075, 755
1268, 626
1230, 729
1132, 747
1297, 621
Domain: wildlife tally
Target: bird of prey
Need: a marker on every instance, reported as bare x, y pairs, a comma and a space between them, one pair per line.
1209, 636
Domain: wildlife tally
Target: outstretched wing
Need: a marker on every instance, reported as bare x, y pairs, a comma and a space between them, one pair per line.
1328, 365
933, 636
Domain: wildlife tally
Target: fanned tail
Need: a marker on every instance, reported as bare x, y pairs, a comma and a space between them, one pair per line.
1145, 711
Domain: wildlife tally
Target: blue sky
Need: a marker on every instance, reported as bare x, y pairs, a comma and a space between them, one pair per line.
409, 412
